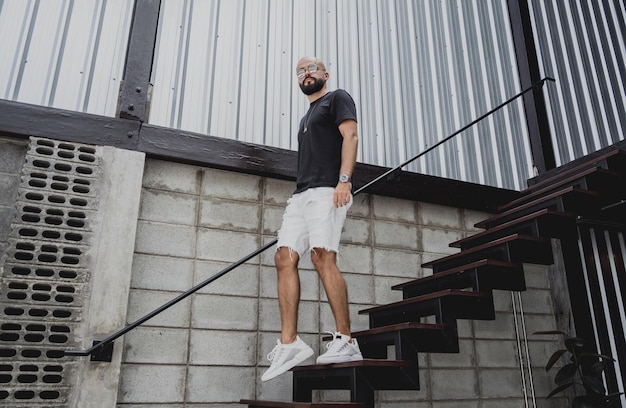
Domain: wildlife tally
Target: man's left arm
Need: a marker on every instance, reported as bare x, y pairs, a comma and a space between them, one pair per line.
348, 130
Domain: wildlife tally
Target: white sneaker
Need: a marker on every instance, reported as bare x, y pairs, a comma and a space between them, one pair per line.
286, 356
340, 350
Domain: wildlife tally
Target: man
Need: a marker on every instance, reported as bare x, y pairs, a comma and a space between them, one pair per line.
314, 218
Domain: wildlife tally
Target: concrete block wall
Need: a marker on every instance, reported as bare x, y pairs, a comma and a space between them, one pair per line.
210, 349
12, 154
65, 272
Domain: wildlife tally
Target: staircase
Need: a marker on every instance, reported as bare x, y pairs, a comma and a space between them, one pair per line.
461, 285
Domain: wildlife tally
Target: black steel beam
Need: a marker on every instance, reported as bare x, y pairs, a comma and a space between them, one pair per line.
534, 103
139, 57
24, 120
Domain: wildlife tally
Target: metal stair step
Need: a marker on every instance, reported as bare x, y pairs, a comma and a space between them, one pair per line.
362, 378
516, 248
481, 275
445, 305
594, 178
569, 199
543, 223
613, 159
408, 339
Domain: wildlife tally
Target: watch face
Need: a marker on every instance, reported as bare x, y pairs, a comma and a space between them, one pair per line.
344, 178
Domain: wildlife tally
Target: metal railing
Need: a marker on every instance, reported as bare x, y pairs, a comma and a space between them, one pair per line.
102, 349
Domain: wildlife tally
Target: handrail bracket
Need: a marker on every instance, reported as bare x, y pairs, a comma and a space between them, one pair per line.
99, 351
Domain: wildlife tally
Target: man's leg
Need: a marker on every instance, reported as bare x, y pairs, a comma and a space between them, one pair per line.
325, 263
342, 347
288, 292
290, 350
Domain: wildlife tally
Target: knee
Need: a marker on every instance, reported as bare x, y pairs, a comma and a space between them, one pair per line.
322, 259
286, 258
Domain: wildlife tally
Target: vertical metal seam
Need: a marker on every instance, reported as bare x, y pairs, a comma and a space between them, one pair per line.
240, 71
94, 56
177, 85
55, 46
213, 69
266, 87
24, 60
183, 71
61, 53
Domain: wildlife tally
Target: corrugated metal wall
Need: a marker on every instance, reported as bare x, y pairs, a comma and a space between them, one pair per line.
582, 45
67, 54
418, 70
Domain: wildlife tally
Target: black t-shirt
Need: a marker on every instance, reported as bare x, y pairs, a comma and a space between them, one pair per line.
319, 140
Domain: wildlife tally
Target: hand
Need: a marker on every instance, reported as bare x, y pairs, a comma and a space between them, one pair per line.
343, 193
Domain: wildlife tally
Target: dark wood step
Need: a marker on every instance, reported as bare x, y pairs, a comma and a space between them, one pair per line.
609, 158
446, 306
295, 404
543, 223
362, 378
570, 199
408, 339
482, 275
515, 248
595, 178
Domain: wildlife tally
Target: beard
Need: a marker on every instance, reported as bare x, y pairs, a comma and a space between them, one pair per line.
312, 87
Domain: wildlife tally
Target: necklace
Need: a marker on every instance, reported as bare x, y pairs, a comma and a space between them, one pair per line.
308, 115
310, 112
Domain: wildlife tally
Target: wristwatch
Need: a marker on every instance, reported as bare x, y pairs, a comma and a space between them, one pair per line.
344, 178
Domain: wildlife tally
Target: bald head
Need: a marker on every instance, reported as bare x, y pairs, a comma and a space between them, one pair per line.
304, 61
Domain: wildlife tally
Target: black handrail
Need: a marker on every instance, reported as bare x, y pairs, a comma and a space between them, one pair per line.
98, 346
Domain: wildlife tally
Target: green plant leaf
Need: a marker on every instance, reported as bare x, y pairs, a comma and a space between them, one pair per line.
566, 373
595, 369
593, 385
574, 343
554, 358
559, 389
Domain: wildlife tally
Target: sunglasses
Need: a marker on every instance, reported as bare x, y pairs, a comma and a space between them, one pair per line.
313, 68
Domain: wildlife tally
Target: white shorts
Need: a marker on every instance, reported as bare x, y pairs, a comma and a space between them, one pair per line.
312, 221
